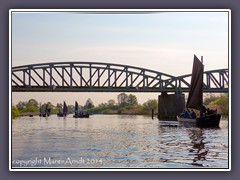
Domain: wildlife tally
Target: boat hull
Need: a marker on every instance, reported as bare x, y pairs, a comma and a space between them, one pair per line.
81, 116
181, 119
208, 121
45, 115
61, 115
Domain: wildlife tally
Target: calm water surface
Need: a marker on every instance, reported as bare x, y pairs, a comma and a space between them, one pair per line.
111, 141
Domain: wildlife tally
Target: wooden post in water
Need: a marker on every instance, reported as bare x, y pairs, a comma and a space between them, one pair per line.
152, 113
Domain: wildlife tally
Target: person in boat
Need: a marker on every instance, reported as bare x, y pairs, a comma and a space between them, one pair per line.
182, 113
193, 114
186, 114
210, 111
203, 111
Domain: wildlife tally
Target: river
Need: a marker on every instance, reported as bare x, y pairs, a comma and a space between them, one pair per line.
116, 141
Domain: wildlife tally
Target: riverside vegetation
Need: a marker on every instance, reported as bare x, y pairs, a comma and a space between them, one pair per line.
127, 104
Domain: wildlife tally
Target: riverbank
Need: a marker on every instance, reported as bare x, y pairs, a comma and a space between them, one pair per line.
29, 114
103, 113
114, 113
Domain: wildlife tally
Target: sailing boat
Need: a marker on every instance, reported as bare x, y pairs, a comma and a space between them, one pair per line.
79, 114
76, 110
195, 100
47, 111
64, 112
40, 110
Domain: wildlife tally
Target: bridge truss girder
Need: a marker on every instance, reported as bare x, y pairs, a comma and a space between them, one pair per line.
105, 77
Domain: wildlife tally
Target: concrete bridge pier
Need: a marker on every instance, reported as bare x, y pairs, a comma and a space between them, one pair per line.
169, 105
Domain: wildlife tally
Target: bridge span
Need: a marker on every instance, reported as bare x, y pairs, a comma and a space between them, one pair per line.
106, 77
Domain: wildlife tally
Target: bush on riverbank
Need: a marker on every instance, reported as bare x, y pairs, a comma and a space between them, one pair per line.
219, 102
222, 104
135, 109
15, 112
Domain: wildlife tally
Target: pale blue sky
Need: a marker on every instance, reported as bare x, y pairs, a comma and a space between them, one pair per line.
164, 42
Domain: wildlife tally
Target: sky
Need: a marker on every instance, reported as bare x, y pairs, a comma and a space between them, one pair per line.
160, 41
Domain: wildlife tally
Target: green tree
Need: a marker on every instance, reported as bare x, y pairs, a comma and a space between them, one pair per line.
209, 98
50, 105
53, 108
15, 112
222, 101
21, 105
103, 105
150, 104
30, 108
32, 102
89, 104
132, 100
71, 109
122, 99
111, 102
59, 105
43, 107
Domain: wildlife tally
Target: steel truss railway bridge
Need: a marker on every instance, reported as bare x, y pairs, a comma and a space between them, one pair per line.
106, 77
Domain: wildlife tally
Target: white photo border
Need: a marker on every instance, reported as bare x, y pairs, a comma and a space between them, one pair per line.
117, 11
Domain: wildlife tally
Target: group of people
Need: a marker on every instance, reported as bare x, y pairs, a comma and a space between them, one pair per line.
192, 114
206, 111
189, 114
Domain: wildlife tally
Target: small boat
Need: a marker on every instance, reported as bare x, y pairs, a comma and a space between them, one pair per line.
79, 114
76, 110
211, 120
64, 113
46, 113
208, 118
40, 110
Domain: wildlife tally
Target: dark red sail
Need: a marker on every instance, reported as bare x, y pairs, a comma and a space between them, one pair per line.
195, 97
65, 109
76, 107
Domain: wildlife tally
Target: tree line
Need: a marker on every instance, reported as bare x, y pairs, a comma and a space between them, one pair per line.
126, 104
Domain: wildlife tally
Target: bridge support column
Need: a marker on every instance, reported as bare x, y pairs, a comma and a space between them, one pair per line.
169, 105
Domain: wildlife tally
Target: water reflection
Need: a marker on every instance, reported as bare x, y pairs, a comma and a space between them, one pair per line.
198, 146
